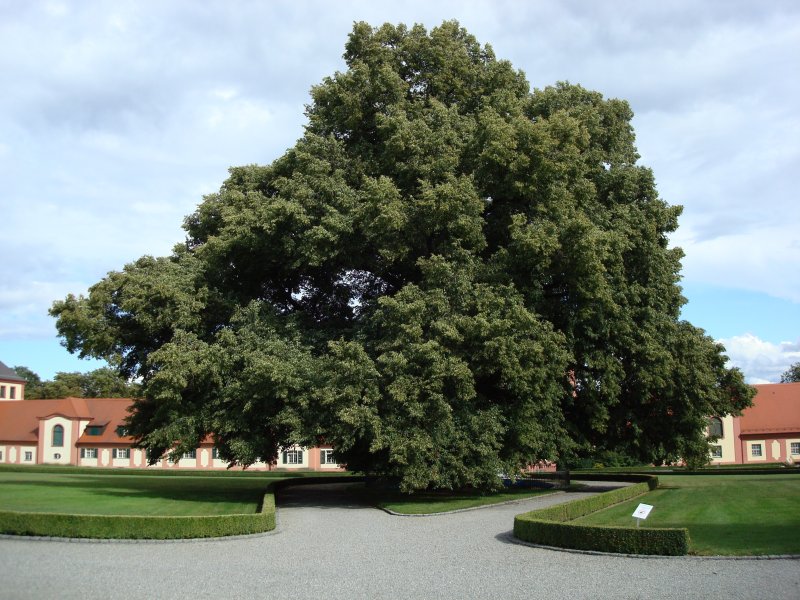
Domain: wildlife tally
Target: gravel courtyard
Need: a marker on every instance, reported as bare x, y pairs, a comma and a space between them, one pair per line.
326, 548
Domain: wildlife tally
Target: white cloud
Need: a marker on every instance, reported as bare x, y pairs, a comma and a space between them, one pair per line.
761, 361
116, 118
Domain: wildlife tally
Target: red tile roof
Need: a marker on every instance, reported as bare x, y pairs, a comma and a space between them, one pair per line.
19, 420
776, 408
109, 413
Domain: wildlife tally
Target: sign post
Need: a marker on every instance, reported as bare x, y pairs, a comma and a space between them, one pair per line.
641, 512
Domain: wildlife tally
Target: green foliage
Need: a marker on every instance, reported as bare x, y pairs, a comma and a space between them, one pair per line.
792, 374
133, 526
551, 526
138, 527
447, 277
100, 383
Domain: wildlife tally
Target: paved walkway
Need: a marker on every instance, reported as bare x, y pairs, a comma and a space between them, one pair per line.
327, 549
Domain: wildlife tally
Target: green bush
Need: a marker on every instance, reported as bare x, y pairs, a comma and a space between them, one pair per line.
139, 527
155, 528
551, 527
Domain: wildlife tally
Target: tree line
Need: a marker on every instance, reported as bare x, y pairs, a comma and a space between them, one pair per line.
100, 383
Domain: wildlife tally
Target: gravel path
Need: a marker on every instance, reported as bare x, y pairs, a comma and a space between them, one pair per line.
329, 549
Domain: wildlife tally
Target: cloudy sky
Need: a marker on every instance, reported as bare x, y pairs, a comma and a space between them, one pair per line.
116, 118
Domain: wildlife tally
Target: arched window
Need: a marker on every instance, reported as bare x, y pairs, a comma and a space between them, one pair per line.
715, 427
58, 436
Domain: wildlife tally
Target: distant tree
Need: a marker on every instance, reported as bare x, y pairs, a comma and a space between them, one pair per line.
449, 276
100, 383
792, 374
33, 382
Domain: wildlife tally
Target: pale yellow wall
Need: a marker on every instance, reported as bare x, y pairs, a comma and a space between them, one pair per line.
749, 452
17, 393
727, 442
775, 450
324, 465
794, 457
23, 450
48, 450
282, 465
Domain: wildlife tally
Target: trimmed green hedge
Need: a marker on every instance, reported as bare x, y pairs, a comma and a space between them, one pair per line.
156, 528
139, 527
551, 527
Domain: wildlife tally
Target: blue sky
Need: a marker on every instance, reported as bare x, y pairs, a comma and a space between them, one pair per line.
117, 117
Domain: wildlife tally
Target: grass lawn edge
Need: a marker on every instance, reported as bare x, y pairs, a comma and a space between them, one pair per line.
159, 527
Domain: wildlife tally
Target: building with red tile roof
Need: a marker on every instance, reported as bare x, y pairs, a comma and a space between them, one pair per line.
12, 386
91, 432
767, 432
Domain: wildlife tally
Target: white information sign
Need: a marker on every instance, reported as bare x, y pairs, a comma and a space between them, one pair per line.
642, 511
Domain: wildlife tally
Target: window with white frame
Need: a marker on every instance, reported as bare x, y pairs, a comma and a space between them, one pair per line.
1, 456
58, 437
191, 454
88, 452
2, 391
716, 451
326, 457
28, 456
12, 392
794, 448
715, 427
293, 457
215, 453
122, 453
755, 450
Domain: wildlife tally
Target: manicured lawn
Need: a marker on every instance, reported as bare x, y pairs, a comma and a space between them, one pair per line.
437, 502
130, 494
725, 514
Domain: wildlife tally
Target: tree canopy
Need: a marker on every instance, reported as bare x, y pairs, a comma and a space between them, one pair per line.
792, 374
100, 383
450, 275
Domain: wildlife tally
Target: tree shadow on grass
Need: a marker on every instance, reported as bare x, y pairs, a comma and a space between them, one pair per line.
323, 495
200, 491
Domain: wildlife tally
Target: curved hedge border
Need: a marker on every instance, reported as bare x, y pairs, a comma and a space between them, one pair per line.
551, 527
136, 527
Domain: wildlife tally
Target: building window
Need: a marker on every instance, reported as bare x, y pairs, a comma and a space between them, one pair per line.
215, 453
755, 450
58, 436
326, 457
1, 456
293, 457
94, 430
56, 456
12, 392
190, 454
716, 451
88, 452
28, 456
122, 453
715, 427
794, 448
2, 391
122, 431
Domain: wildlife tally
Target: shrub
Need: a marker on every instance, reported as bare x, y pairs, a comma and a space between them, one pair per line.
139, 527
551, 527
